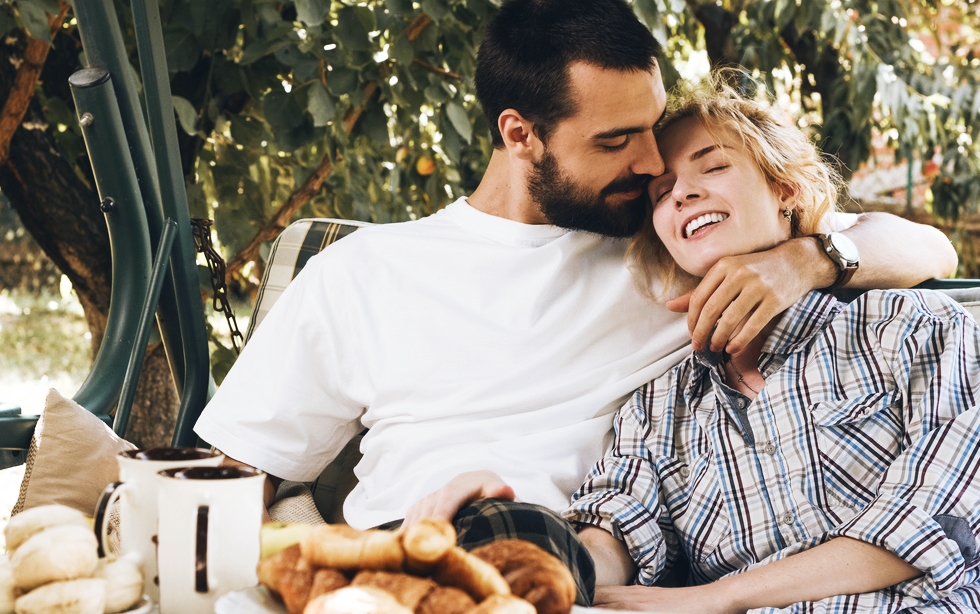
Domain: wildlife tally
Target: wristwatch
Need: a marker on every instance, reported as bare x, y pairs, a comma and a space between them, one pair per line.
843, 253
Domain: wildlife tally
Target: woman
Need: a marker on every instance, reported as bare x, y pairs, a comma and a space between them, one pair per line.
834, 463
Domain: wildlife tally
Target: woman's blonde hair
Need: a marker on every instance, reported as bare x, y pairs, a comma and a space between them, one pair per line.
788, 160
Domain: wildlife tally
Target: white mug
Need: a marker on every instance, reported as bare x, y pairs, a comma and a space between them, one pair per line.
137, 495
210, 520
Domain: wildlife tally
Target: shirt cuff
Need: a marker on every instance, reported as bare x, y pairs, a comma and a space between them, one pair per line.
633, 524
915, 536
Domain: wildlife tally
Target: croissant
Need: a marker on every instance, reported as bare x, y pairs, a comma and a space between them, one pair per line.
532, 573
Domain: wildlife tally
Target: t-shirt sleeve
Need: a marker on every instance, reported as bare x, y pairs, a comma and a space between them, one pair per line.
837, 221
285, 406
927, 506
621, 493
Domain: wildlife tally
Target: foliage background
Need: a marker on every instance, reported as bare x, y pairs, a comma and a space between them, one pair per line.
365, 110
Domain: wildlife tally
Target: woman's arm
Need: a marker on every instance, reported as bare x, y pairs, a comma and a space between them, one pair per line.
741, 294
841, 566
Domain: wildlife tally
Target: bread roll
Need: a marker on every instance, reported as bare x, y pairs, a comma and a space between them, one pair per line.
426, 542
461, 569
57, 553
532, 573
342, 547
356, 600
270, 569
326, 580
446, 600
7, 594
31, 521
85, 596
407, 590
503, 604
124, 583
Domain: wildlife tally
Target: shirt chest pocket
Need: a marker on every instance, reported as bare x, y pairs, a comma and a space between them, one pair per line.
693, 499
857, 440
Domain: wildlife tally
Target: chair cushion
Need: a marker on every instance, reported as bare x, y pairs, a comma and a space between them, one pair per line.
72, 458
290, 252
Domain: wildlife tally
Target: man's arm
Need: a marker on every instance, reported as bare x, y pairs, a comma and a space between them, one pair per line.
841, 566
741, 294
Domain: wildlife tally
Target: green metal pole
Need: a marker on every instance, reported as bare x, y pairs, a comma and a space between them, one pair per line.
129, 237
102, 40
135, 366
163, 133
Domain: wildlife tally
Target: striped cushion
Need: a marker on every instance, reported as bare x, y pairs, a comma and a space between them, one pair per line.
302, 240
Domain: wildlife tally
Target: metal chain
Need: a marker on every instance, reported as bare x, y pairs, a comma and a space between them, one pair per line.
201, 229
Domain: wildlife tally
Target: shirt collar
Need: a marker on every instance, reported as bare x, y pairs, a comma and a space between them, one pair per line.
798, 324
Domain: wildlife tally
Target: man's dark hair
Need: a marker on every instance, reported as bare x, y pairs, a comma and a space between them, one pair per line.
524, 57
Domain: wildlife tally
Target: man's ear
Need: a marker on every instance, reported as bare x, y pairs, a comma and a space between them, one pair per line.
518, 135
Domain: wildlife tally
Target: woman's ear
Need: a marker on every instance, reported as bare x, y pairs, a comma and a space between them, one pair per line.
787, 195
518, 135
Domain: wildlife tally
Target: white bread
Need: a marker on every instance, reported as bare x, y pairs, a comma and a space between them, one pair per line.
6, 588
31, 521
86, 596
356, 600
124, 584
57, 553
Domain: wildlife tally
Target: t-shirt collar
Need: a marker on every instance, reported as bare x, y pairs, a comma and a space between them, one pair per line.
502, 229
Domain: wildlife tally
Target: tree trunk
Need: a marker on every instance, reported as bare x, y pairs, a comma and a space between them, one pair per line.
61, 212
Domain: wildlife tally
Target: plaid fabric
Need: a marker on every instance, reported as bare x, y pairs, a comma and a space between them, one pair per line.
290, 252
868, 427
490, 520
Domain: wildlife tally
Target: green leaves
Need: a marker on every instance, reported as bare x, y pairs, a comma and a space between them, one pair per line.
186, 115
34, 19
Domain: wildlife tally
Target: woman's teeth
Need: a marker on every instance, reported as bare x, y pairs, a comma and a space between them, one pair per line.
702, 221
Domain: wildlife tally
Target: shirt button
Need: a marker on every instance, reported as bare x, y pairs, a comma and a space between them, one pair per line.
685, 472
740, 403
788, 518
769, 448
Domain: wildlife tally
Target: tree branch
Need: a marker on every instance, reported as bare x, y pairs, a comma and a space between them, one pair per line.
25, 82
281, 218
435, 69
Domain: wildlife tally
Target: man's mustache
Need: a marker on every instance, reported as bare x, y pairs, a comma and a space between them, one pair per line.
627, 184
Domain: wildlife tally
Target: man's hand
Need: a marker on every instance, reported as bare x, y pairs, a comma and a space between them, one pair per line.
704, 599
740, 295
459, 492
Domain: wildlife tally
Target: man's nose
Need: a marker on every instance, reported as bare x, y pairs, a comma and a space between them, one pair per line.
648, 160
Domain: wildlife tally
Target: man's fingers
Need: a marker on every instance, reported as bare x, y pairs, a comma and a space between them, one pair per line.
679, 304
499, 491
748, 329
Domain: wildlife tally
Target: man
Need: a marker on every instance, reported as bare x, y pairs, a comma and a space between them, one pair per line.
498, 336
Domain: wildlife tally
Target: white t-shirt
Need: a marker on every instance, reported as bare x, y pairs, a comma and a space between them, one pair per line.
464, 341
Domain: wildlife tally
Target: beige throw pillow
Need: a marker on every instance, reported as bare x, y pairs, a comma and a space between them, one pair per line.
72, 458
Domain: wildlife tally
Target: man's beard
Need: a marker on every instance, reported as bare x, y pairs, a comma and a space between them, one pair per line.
570, 206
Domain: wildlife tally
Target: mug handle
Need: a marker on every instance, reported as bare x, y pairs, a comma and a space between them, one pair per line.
111, 493
201, 550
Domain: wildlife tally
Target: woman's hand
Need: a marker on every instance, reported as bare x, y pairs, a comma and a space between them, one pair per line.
690, 600
459, 492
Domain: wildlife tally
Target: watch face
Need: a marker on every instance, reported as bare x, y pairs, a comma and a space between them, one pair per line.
845, 247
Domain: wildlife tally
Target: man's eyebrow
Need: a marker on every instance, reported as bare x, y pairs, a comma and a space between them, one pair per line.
611, 134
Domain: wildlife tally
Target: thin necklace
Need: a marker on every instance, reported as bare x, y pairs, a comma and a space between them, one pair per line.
741, 378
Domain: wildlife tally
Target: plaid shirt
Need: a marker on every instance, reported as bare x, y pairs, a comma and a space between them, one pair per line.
867, 427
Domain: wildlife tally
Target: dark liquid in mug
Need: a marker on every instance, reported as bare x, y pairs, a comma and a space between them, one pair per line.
210, 473
169, 454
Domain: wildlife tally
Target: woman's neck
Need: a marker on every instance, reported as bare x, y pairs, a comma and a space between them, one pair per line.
742, 368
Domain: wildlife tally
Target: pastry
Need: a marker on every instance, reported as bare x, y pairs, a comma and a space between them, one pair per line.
86, 596
34, 520
56, 553
124, 583
461, 569
356, 600
446, 600
408, 590
532, 573
341, 547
